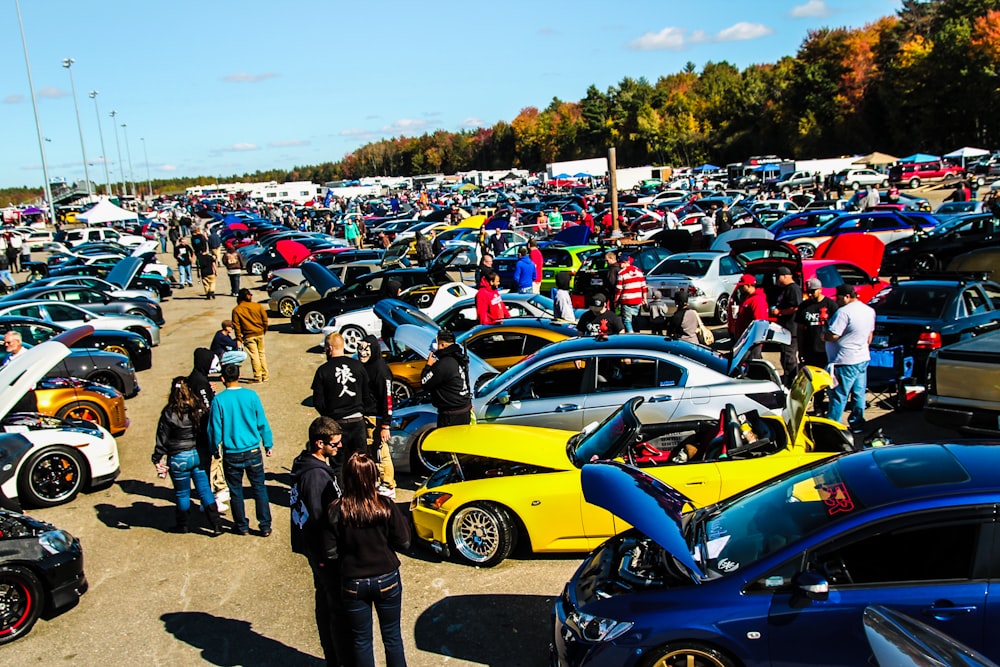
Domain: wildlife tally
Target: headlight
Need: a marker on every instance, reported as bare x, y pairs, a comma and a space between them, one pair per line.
433, 499
56, 541
125, 364
596, 629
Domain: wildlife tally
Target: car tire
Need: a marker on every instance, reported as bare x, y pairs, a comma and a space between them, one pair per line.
925, 262
256, 268
287, 306
352, 336
884, 184
51, 476
314, 321
482, 534
855, 186
722, 309
914, 183
85, 411
21, 602
690, 654
806, 251
144, 333
400, 392
109, 379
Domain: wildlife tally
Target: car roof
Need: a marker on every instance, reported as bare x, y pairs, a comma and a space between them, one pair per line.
637, 343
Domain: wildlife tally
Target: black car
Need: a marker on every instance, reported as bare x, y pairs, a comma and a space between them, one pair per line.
116, 272
939, 309
93, 300
931, 250
41, 571
590, 277
133, 345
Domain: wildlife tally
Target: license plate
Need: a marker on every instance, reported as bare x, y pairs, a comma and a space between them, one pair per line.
880, 341
596, 280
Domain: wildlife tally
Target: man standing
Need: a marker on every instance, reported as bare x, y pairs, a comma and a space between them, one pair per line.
237, 423
524, 271
723, 220
207, 271
784, 311
314, 487
599, 321
215, 245
490, 307
498, 243
485, 266
340, 392
250, 320
536, 258
611, 276
871, 199
630, 293
670, 220
184, 256
812, 318
708, 230
753, 307
850, 334
446, 379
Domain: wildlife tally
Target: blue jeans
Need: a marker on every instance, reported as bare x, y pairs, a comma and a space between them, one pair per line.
163, 244
628, 312
184, 275
852, 383
385, 592
233, 357
234, 464
184, 467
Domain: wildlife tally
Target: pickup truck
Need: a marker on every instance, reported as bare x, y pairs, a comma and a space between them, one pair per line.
964, 393
797, 180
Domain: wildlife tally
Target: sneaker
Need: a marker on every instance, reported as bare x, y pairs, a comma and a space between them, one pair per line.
223, 507
222, 496
386, 491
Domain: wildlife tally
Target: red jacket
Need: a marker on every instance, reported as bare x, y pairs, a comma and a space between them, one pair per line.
536, 256
490, 307
753, 308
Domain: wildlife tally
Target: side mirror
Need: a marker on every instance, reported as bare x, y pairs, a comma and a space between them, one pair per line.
503, 398
812, 585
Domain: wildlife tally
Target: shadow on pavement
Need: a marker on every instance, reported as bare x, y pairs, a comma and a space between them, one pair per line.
136, 487
230, 642
136, 515
495, 630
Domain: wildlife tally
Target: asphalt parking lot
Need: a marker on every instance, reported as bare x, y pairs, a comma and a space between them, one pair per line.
162, 599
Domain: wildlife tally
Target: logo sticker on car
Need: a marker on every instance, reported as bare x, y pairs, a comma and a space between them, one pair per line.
837, 498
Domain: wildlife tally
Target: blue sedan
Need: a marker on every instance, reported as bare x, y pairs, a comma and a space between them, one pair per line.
781, 574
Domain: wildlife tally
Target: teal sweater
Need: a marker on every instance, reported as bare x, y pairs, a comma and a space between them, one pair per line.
237, 422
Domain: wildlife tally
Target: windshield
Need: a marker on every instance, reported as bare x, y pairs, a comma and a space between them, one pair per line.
682, 267
754, 525
603, 440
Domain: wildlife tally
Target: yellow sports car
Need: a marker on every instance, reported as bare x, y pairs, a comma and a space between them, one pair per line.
509, 483
73, 398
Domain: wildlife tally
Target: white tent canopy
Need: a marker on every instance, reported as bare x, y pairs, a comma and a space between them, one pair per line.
966, 152
104, 211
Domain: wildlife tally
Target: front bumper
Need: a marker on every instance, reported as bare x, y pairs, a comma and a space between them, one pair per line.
65, 577
430, 526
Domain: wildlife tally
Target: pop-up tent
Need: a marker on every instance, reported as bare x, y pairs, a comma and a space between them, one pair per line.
919, 158
967, 152
104, 211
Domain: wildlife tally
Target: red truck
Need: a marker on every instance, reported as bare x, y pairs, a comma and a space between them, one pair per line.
916, 173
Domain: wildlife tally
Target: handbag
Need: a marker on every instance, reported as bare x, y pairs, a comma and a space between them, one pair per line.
705, 335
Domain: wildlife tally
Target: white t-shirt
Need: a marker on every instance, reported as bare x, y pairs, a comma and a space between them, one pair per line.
854, 323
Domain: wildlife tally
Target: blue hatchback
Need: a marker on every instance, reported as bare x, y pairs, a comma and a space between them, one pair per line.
780, 575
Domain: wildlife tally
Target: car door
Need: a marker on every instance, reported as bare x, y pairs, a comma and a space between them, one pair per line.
501, 349
551, 394
930, 565
980, 309
624, 376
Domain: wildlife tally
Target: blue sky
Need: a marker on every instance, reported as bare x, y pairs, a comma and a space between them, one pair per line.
219, 87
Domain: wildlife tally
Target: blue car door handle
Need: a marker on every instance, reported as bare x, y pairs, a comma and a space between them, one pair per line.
660, 398
943, 610
567, 407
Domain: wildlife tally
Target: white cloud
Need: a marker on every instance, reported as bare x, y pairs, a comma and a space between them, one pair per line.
811, 8
471, 123
673, 38
743, 31
246, 77
288, 142
13, 99
52, 92
405, 125
167, 167
237, 148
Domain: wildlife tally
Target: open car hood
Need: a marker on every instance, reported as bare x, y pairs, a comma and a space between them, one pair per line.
761, 255
146, 246
674, 240
125, 271
573, 235
609, 439
395, 313
419, 340
809, 381
322, 280
530, 445
722, 241
291, 251
758, 332
648, 504
24, 371
865, 250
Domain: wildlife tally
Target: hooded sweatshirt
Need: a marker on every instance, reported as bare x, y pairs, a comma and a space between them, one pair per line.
379, 383
314, 487
490, 307
447, 380
198, 379
563, 300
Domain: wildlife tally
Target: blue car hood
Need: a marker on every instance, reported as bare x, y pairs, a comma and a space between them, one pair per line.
648, 504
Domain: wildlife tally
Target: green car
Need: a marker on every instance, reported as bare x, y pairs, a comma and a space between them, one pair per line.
555, 260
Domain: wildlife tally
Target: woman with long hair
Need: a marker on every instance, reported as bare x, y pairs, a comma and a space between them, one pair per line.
180, 434
369, 528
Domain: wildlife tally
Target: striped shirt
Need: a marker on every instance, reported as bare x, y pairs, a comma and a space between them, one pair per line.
631, 289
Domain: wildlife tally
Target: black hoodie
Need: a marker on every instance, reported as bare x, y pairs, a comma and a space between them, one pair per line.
447, 380
314, 487
379, 383
198, 379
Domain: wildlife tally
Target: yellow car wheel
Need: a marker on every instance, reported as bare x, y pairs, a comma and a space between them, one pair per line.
482, 534
689, 654
117, 349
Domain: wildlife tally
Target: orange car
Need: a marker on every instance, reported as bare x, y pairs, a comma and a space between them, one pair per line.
72, 398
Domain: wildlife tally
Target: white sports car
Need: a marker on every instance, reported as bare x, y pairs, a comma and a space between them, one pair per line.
47, 461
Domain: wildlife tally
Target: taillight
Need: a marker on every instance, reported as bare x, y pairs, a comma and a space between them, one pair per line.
692, 290
929, 340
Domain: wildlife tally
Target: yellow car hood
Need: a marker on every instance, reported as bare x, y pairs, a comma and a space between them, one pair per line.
810, 380
531, 445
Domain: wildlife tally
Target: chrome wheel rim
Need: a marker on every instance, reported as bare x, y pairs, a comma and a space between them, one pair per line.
476, 534
314, 322
352, 336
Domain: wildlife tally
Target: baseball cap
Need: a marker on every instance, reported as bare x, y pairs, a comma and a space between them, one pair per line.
598, 300
747, 279
784, 271
845, 290
813, 284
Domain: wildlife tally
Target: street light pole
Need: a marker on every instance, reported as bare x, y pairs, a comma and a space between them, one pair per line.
121, 165
68, 64
128, 152
145, 155
38, 123
104, 155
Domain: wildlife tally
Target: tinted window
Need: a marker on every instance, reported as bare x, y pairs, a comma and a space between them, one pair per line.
915, 301
728, 266
460, 319
60, 313
993, 294
619, 374
25, 311
562, 378
829, 276
682, 267
498, 345
852, 275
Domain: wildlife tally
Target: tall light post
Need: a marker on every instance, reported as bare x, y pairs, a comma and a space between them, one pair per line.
128, 152
145, 155
121, 165
68, 64
104, 154
38, 123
